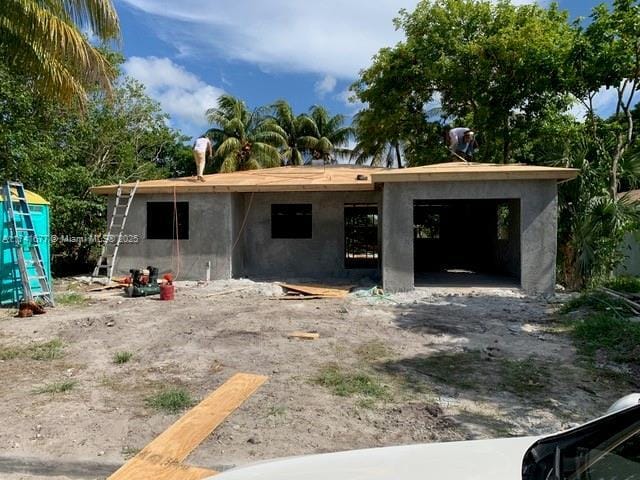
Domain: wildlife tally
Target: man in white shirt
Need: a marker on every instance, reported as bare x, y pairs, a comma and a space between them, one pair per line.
201, 149
462, 142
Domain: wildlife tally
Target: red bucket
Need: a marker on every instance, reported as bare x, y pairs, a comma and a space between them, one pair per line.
167, 291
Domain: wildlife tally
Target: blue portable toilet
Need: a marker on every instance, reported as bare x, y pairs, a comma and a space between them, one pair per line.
10, 282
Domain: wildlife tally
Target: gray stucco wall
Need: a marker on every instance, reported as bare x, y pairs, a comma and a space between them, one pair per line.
210, 238
320, 257
630, 249
538, 227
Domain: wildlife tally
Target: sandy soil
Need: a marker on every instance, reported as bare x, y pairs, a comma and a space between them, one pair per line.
450, 362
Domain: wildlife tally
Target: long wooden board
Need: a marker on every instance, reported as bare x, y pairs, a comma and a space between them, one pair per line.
172, 446
143, 469
319, 290
304, 335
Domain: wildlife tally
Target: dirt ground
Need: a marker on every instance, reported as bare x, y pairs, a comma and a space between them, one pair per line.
447, 365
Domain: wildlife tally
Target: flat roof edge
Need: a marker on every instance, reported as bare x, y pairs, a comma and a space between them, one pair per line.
473, 176
111, 190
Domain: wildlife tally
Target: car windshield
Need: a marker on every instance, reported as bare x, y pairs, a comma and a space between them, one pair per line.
608, 449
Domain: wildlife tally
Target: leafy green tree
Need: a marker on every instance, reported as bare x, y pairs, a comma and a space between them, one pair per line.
245, 140
44, 39
61, 154
488, 64
594, 215
607, 54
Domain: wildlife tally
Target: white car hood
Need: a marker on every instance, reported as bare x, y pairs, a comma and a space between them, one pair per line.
470, 460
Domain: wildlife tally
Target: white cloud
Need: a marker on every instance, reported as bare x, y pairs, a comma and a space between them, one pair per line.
332, 37
325, 85
183, 95
604, 103
350, 100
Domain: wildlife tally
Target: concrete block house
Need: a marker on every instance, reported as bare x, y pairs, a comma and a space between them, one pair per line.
403, 227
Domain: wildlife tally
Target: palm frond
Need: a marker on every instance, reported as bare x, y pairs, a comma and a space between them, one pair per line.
271, 138
230, 164
98, 15
229, 147
44, 37
266, 155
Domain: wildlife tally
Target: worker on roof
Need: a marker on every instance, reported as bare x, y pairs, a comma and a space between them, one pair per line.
462, 142
201, 149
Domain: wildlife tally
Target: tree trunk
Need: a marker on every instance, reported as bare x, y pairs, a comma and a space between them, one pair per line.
398, 156
506, 139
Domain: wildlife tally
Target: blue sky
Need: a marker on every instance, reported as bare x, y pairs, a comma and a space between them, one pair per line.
188, 52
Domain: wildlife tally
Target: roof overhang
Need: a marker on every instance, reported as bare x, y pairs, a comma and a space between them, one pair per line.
465, 172
342, 178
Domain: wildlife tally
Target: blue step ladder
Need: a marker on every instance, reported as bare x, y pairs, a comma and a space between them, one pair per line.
34, 278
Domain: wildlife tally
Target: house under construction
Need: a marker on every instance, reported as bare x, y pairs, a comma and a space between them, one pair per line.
430, 224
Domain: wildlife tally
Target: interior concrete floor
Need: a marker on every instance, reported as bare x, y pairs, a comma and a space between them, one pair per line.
465, 278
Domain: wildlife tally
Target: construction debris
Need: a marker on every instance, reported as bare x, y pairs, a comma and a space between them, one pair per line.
304, 335
291, 296
628, 299
29, 309
320, 291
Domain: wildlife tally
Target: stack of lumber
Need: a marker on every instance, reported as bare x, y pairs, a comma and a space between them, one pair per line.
309, 292
631, 300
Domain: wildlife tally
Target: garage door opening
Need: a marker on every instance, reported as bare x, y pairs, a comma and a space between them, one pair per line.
467, 242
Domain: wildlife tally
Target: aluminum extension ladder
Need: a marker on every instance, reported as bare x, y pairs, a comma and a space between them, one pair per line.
25, 239
110, 248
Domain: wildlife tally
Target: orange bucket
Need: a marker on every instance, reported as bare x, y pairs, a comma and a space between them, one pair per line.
167, 291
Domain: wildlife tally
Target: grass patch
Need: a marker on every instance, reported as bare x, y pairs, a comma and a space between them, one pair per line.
625, 284
619, 338
373, 351
367, 403
129, 452
71, 299
171, 400
9, 353
524, 377
346, 384
57, 387
597, 302
50, 350
122, 357
454, 369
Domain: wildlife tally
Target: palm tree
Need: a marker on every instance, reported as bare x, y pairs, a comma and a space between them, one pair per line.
377, 153
329, 138
294, 128
44, 39
371, 146
245, 140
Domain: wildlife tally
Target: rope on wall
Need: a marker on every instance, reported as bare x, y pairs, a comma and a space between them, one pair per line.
175, 254
244, 223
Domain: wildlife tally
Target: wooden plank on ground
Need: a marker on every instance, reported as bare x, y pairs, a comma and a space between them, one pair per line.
298, 297
319, 290
174, 445
304, 335
112, 286
145, 469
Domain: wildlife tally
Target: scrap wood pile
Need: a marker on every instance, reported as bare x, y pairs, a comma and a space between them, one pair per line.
310, 292
631, 300
114, 284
